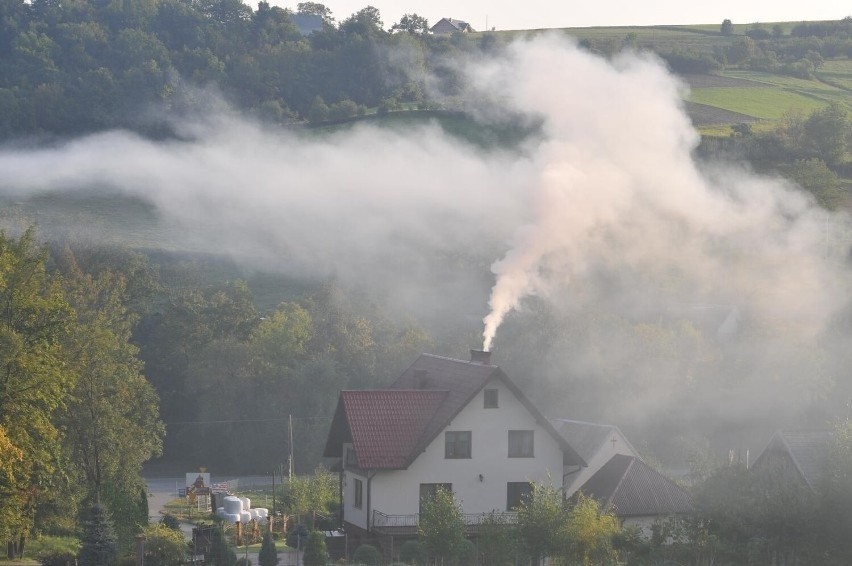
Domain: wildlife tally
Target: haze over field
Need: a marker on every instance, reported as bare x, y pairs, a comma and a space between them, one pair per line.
607, 210
506, 15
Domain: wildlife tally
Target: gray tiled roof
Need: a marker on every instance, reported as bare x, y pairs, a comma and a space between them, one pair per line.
631, 488
807, 448
586, 438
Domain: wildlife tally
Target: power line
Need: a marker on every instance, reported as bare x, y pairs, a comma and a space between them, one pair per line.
231, 421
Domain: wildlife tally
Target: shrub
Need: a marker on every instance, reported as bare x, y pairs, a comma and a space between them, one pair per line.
412, 552
170, 521
268, 553
367, 554
467, 552
315, 551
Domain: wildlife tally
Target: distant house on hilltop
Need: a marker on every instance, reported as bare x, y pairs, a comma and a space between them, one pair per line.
450, 25
799, 455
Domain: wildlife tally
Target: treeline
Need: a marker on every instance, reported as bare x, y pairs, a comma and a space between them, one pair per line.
98, 345
810, 150
72, 67
77, 417
234, 382
800, 53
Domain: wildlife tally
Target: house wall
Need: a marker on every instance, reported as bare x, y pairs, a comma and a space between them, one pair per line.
574, 479
397, 492
352, 514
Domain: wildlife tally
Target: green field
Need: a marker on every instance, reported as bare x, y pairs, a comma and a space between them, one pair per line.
764, 103
837, 73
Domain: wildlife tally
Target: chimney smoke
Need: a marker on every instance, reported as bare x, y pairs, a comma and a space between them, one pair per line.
480, 357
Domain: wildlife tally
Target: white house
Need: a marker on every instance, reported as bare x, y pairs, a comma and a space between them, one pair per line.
462, 425
595, 443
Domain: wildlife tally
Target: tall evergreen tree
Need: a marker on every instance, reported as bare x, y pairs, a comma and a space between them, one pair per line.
99, 542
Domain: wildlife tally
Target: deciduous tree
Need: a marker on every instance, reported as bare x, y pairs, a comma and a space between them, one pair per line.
441, 527
34, 381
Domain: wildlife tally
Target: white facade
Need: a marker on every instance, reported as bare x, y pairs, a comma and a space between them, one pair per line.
479, 483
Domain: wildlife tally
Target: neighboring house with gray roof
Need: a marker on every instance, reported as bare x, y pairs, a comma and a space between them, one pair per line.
460, 425
636, 493
451, 25
798, 454
595, 443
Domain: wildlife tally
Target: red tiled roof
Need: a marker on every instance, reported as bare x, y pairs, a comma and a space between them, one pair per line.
390, 427
385, 425
631, 488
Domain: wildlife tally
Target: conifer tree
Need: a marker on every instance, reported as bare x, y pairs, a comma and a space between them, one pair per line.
268, 553
99, 542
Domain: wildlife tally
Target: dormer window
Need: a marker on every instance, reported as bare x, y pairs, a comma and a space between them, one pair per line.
491, 398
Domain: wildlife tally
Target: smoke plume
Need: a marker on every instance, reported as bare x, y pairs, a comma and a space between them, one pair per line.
606, 211
616, 181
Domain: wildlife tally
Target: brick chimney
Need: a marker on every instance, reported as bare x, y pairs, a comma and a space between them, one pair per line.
480, 357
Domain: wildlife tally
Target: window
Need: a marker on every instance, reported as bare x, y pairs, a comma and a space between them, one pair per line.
428, 490
358, 486
490, 398
517, 493
521, 444
351, 461
457, 444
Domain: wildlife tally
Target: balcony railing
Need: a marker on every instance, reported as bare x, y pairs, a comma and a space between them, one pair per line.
383, 520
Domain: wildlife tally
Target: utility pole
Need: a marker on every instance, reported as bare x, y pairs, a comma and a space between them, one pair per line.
290, 443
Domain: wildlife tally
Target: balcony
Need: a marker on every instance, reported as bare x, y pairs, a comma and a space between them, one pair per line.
407, 524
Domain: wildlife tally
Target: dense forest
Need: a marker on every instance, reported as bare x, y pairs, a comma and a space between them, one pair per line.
73, 67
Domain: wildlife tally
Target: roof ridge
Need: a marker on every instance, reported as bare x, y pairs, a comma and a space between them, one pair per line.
457, 360
581, 422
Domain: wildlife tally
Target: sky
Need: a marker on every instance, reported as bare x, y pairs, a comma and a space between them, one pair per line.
533, 14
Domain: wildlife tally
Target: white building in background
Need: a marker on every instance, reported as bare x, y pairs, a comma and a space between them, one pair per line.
595, 443
462, 425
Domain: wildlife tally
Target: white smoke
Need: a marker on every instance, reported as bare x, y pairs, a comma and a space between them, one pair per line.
610, 186
616, 181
